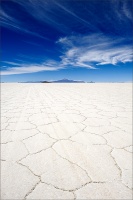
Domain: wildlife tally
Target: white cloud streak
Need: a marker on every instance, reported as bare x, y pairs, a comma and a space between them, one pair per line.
43, 11
62, 16
25, 69
90, 51
12, 23
79, 51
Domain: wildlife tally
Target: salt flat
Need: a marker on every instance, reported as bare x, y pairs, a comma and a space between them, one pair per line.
66, 141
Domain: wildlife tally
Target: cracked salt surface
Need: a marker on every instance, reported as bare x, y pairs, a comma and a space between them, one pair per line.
62, 142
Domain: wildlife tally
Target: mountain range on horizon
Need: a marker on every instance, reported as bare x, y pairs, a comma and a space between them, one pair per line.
58, 81
67, 81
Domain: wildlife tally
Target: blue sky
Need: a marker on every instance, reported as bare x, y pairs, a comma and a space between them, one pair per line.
87, 40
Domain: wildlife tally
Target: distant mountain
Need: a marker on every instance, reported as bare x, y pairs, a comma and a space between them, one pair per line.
91, 82
67, 81
31, 82
45, 82
57, 81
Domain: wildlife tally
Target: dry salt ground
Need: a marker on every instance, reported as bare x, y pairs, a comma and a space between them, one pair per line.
66, 141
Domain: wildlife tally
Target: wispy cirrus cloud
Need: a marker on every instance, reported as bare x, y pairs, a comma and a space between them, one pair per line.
41, 11
122, 9
11, 22
88, 51
67, 16
93, 50
17, 68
